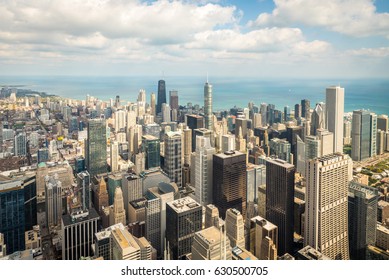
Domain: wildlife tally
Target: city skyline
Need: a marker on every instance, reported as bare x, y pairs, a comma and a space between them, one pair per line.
251, 38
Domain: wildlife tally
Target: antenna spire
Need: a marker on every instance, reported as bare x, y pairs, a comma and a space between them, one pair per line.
207, 77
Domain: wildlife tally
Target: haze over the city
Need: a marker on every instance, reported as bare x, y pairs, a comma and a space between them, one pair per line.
260, 38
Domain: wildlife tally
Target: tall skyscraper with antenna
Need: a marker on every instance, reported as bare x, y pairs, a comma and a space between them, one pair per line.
208, 105
161, 95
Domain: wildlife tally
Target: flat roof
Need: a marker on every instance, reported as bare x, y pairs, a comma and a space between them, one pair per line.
92, 214
183, 204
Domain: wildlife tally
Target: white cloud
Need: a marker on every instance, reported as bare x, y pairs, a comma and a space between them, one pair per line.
370, 52
357, 18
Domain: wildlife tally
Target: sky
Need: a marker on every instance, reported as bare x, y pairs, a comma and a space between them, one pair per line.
251, 38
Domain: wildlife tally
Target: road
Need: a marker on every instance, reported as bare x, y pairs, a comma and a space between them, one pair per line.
371, 161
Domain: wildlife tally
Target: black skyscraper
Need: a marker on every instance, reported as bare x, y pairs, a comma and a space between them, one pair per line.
305, 107
161, 95
280, 201
229, 182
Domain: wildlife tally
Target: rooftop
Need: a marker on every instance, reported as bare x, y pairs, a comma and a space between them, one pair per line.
264, 223
124, 238
209, 235
229, 154
74, 219
312, 254
149, 137
183, 204
243, 254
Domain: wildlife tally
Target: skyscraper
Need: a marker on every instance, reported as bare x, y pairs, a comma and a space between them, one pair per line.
235, 228
78, 232
202, 169
173, 165
101, 196
305, 108
208, 106
173, 100
184, 217
151, 148
114, 156
364, 135
20, 144
161, 95
84, 187
318, 118
259, 230
229, 182
335, 111
152, 104
297, 111
362, 219
118, 215
280, 201
326, 214
382, 122
53, 191
211, 244
96, 147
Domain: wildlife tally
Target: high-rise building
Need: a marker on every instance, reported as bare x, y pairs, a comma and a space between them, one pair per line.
165, 111
363, 143
18, 208
173, 101
235, 228
151, 148
208, 106
280, 201
78, 232
280, 148
260, 229
103, 242
318, 118
132, 186
256, 177
96, 147
101, 196
114, 181
152, 105
84, 187
326, 141
156, 214
297, 111
228, 142
118, 214
305, 108
187, 145
20, 144
229, 182
211, 216
53, 202
184, 217
211, 244
114, 156
161, 95
381, 141
125, 246
382, 122
362, 219
326, 214
173, 157
202, 170
347, 133
335, 111
201, 132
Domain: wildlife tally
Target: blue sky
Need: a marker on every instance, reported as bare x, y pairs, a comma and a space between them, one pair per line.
259, 38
